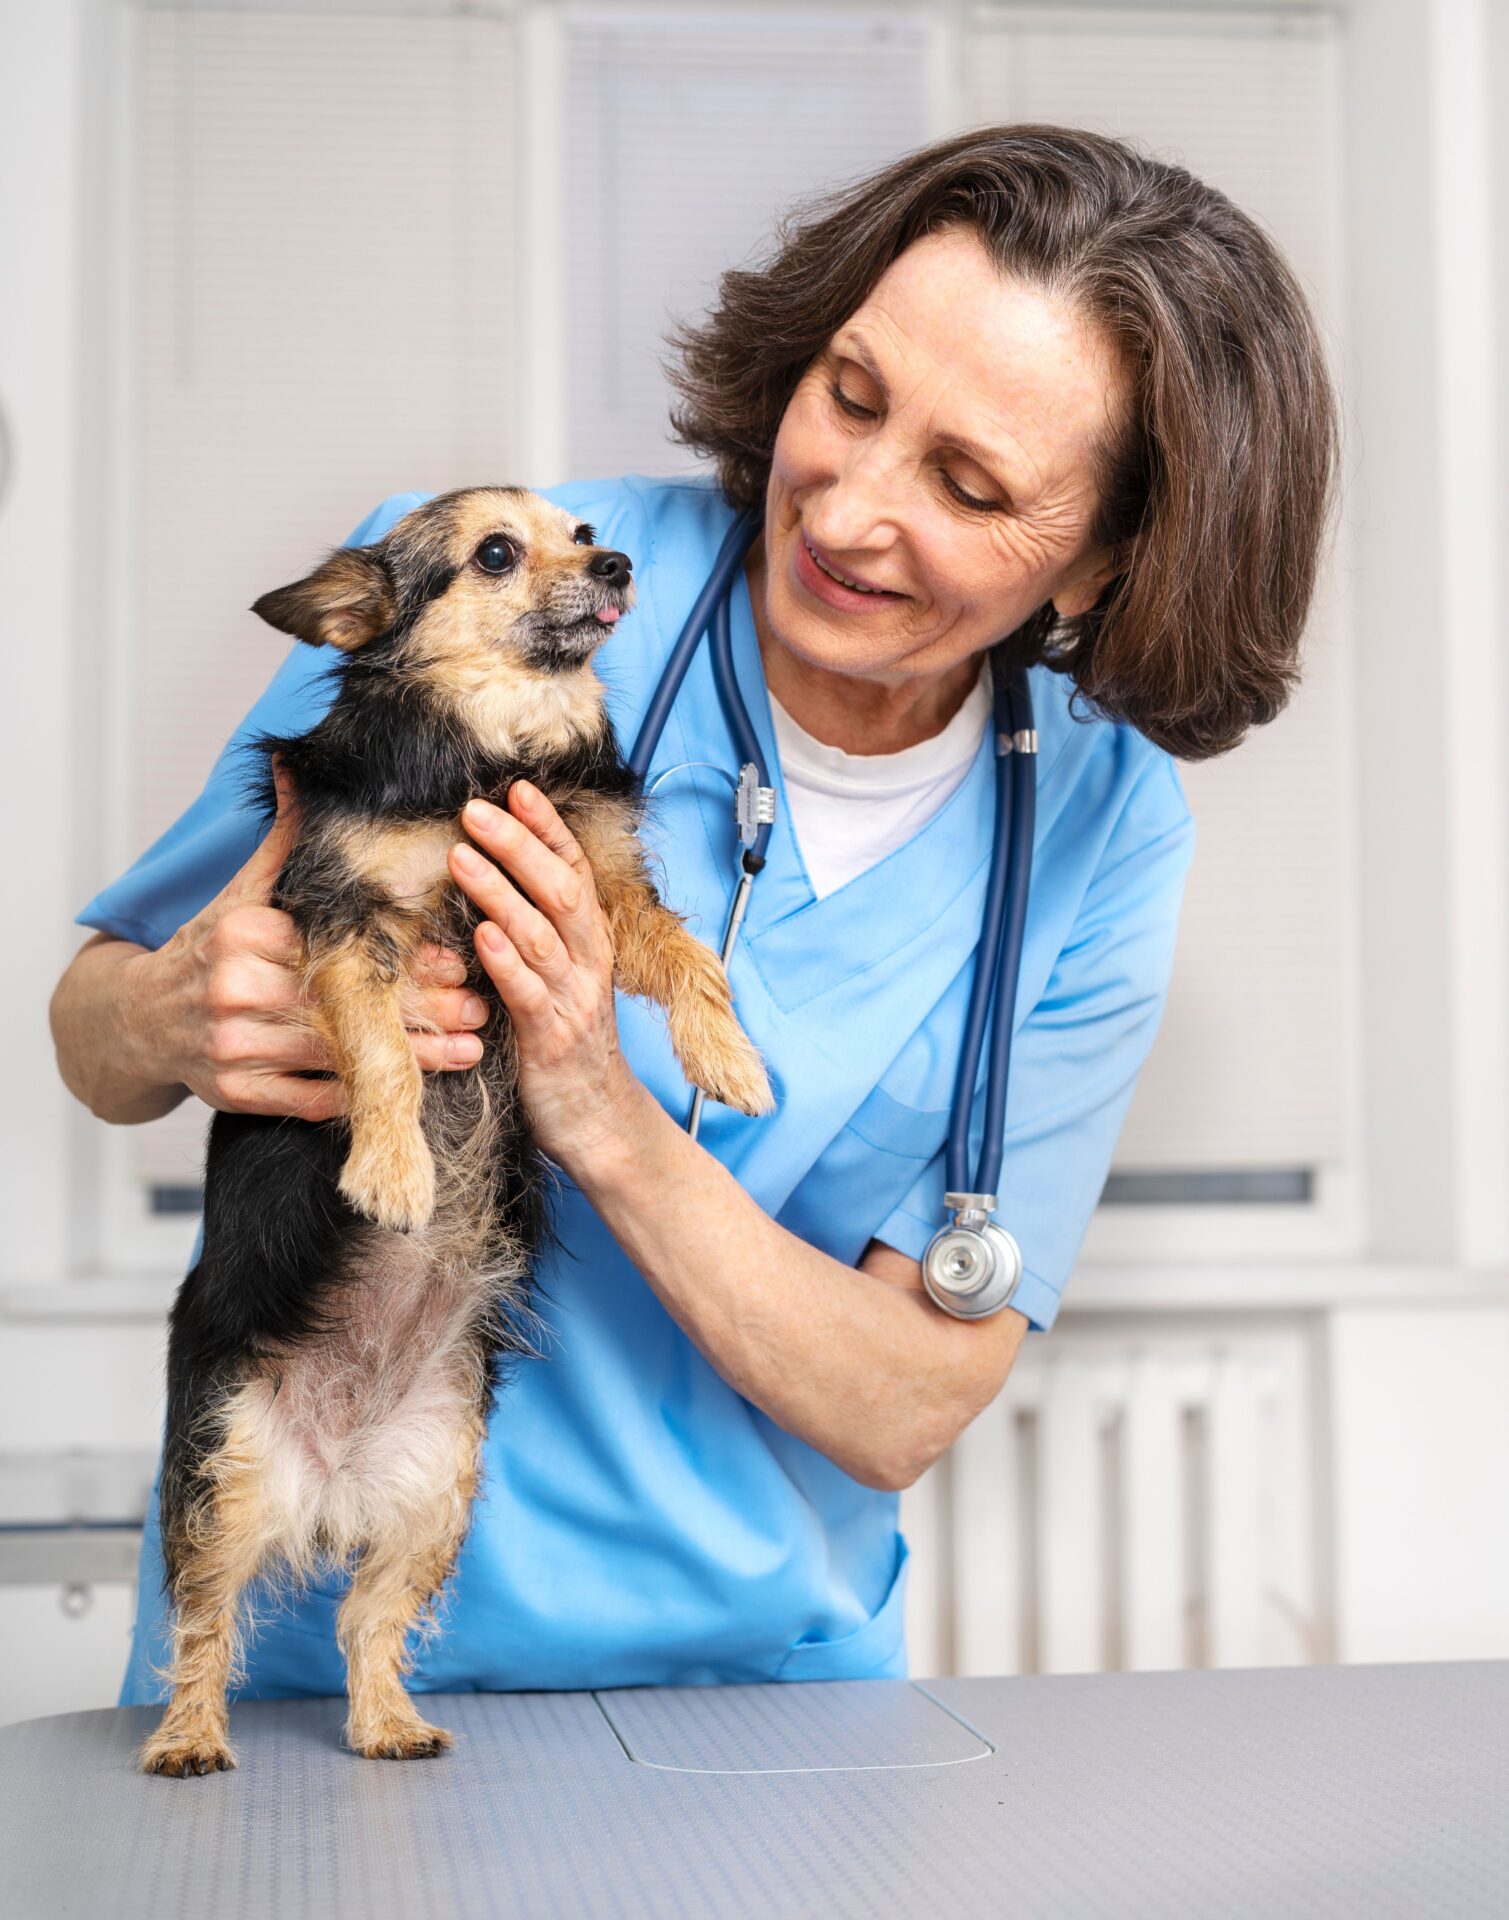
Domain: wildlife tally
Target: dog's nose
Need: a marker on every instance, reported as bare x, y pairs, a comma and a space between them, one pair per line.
615, 568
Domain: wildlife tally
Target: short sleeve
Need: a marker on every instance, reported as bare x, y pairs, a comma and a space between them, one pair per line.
1076, 1058
183, 870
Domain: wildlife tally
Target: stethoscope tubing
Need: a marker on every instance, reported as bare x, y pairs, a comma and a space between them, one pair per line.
998, 954
730, 557
1009, 967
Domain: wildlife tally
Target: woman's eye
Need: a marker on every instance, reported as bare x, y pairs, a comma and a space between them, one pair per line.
497, 555
968, 499
850, 406
585, 536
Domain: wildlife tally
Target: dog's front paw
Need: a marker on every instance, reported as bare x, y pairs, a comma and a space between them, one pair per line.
179, 1752
735, 1077
392, 1184
399, 1738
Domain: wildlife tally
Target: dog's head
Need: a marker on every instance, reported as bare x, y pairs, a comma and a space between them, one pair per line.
465, 582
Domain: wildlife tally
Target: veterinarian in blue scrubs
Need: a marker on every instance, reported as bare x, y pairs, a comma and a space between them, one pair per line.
698, 1480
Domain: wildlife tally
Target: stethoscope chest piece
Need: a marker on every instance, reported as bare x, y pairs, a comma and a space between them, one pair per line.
972, 1268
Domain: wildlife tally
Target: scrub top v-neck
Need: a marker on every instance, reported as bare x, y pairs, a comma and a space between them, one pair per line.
640, 1521
848, 810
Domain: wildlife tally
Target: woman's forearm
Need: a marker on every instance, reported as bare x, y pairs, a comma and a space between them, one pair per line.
97, 1035
867, 1371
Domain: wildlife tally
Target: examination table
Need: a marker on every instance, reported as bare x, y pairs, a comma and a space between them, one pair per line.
1365, 1791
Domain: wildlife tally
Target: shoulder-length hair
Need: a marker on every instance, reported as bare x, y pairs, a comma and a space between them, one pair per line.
1215, 495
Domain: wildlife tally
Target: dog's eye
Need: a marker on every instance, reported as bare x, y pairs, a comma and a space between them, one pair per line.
585, 536
497, 555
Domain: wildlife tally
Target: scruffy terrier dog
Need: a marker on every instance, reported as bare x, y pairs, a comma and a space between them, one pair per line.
364, 1280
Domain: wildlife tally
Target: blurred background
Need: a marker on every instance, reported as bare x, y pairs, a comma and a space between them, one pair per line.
265, 264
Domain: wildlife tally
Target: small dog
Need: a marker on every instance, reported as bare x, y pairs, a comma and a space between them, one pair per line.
364, 1280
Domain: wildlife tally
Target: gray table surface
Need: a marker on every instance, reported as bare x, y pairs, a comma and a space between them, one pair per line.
1366, 1791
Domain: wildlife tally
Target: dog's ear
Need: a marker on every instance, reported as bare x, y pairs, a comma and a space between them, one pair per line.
344, 603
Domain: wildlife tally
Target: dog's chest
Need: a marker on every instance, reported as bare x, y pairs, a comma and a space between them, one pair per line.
405, 860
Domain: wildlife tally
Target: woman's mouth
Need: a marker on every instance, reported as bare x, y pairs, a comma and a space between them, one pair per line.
828, 582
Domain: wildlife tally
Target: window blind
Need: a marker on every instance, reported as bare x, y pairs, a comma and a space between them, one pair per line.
324, 315
688, 129
1250, 1067
325, 312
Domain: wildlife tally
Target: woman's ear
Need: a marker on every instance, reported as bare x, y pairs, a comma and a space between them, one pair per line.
1081, 591
344, 603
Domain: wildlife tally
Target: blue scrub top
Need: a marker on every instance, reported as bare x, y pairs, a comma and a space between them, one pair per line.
640, 1521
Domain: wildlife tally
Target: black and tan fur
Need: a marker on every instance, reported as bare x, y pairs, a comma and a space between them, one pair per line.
363, 1282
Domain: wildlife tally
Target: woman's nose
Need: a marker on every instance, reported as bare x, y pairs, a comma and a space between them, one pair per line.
613, 567
864, 497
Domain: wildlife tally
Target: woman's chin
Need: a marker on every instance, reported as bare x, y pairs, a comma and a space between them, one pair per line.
835, 649
821, 636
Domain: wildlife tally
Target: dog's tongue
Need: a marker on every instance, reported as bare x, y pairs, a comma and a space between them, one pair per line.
608, 615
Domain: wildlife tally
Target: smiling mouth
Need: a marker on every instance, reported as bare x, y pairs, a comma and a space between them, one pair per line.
843, 579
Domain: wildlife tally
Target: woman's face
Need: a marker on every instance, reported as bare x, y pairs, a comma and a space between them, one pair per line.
938, 452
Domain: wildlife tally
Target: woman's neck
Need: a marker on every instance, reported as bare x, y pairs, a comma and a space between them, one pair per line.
847, 710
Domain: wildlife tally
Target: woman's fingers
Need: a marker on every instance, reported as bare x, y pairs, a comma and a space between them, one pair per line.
437, 966
440, 1052
442, 1023
536, 848
289, 1095
530, 1003
529, 931
251, 1088
254, 880
443, 1010
260, 1034
257, 933
535, 810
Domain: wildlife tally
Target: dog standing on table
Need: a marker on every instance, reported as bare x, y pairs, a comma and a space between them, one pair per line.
333, 1354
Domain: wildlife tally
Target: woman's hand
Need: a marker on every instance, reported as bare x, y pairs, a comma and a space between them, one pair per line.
217, 1009
552, 963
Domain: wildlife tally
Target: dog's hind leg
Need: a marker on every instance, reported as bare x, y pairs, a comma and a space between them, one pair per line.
219, 1548
398, 1577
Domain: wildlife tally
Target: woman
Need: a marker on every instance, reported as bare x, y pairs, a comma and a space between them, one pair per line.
1024, 383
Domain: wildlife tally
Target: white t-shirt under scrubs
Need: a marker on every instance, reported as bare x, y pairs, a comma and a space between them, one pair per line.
849, 810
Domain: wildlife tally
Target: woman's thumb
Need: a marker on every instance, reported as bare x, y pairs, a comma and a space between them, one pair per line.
288, 798
262, 868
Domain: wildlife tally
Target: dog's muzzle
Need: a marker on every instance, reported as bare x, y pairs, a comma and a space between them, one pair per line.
568, 631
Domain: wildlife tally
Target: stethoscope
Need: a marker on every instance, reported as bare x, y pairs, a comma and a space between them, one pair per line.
971, 1267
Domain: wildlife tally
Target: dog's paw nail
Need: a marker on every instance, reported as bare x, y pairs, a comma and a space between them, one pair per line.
405, 1740
177, 1759
744, 1086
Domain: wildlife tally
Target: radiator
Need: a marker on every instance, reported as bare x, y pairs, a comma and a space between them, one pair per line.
1134, 1499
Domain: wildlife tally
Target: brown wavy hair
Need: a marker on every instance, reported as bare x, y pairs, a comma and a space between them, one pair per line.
1215, 496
